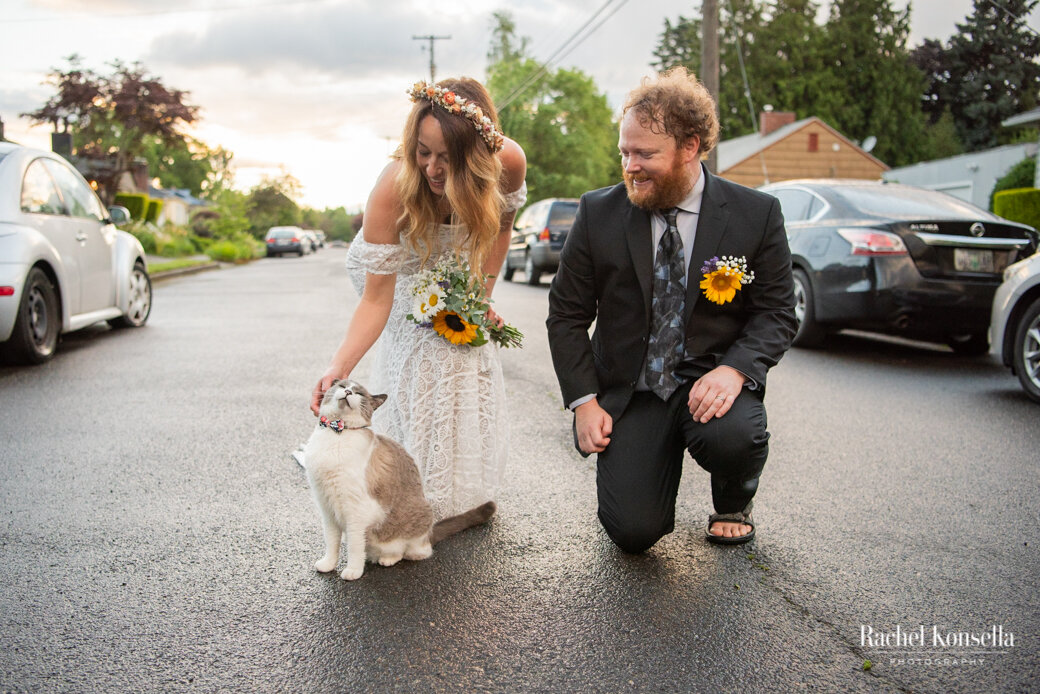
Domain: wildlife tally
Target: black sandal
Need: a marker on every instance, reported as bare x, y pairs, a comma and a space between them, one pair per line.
738, 517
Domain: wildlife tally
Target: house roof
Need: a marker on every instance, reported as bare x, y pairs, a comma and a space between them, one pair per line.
1022, 118
733, 152
183, 194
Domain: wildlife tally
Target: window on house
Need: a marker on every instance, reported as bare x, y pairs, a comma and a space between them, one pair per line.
814, 142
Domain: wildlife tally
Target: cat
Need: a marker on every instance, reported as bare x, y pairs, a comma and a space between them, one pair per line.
368, 489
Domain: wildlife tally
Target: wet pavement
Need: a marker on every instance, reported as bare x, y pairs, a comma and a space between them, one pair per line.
157, 536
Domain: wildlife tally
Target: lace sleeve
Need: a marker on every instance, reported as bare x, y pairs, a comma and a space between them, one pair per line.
377, 258
516, 199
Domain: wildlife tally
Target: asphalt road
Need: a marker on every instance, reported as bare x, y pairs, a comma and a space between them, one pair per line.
156, 535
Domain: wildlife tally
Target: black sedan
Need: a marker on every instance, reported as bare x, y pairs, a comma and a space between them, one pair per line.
895, 259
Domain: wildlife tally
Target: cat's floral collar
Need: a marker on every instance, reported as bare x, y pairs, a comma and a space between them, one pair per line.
337, 425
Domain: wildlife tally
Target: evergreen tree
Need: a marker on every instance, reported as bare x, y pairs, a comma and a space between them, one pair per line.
987, 72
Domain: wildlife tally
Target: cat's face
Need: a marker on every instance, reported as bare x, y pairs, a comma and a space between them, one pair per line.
348, 399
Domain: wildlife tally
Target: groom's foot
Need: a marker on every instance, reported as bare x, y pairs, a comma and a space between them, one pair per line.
728, 529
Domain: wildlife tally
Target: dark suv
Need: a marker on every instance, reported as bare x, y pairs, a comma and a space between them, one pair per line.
538, 236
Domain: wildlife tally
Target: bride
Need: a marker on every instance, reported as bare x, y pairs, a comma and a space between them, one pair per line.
452, 189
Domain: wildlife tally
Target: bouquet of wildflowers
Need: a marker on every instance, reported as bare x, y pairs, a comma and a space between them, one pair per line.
448, 301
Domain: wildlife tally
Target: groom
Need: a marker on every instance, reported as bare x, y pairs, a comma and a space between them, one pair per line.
688, 279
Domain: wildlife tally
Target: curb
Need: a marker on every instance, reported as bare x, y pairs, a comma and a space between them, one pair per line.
180, 272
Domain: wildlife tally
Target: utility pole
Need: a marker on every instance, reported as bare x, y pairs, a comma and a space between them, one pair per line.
710, 63
431, 39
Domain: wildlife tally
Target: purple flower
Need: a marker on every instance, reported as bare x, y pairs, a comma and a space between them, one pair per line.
710, 265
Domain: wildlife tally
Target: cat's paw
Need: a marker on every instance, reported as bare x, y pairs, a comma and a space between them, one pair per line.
389, 559
325, 564
352, 574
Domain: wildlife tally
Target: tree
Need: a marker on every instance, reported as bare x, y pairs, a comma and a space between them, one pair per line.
853, 72
880, 89
271, 203
987, 72
114, 117
563, 123
189, 164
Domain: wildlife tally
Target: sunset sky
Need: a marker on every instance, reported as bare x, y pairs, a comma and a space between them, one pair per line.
316, 88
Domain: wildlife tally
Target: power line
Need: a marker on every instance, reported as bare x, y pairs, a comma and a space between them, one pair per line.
559, 52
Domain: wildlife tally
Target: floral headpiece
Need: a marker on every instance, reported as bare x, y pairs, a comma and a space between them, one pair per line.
460, 106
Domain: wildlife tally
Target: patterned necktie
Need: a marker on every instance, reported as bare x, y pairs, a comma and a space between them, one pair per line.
665, 350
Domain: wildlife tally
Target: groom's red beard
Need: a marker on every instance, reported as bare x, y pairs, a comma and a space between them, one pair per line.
668, 190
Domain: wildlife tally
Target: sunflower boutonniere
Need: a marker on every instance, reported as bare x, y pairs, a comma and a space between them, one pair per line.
724, 277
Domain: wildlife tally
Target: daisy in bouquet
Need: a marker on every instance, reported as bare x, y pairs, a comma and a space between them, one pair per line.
446, 299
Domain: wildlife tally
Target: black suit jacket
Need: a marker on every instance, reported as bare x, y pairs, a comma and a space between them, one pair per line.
605, 276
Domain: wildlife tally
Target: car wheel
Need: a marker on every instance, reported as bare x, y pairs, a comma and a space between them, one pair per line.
810, 333
139, 303
1026, 358
970, 345
35, 334
507, 272
531, 270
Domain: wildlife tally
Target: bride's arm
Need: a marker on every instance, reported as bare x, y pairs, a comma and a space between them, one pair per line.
381, 214
514, 168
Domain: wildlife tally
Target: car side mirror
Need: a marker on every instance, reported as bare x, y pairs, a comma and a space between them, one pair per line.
118, 215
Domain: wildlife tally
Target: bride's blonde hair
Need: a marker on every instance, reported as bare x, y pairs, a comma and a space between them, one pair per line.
472, 185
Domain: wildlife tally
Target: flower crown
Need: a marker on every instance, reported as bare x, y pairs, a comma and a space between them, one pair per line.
460, 106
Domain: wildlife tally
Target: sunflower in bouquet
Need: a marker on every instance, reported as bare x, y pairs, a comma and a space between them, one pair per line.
446, 299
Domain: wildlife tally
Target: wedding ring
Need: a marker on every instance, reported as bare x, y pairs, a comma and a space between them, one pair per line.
720, 398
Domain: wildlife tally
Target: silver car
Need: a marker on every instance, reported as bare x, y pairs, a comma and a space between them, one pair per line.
1015, 323
63, 263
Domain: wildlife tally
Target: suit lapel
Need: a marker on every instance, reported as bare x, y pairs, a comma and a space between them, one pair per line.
640, 246
711, 225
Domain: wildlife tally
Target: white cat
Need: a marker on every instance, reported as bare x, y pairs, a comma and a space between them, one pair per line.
368, 488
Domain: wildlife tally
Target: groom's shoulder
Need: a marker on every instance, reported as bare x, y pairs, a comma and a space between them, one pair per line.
737, 192
608, 196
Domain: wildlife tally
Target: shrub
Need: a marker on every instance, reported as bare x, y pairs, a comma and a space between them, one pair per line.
1019, 205
145, 236
154, 208
136, 203
175, 245
1018, 176
232, 250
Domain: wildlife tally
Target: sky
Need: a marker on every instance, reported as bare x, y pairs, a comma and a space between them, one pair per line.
316, 88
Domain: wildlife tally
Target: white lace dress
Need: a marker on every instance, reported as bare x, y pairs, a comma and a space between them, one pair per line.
446, 402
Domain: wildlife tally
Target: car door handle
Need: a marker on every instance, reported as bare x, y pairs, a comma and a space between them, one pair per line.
81, 237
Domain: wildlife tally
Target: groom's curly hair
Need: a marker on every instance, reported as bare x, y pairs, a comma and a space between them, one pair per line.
676, 103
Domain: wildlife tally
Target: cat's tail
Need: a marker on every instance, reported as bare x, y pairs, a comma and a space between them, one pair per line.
454, 524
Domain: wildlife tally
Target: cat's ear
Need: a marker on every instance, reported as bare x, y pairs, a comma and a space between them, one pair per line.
378, 400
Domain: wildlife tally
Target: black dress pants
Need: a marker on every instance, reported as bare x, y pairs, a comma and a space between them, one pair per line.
637, 475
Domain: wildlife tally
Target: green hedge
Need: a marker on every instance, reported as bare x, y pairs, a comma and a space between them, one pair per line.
154, 208
136, 203
1019, 205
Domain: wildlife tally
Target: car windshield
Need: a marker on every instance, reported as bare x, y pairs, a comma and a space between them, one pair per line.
908, 203
563, 214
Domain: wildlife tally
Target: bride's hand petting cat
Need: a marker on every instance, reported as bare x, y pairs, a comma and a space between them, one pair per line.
323, 385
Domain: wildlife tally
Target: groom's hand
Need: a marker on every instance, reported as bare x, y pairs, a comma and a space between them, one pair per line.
594, 427
713, 394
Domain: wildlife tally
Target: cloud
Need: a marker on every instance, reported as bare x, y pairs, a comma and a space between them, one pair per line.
368, 39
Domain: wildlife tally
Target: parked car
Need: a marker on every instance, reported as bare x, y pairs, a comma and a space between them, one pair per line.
1015, 325
63, 263
895, 259
312, 239
286, 239
538, 236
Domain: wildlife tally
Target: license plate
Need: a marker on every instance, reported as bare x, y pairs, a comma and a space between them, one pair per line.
973, 260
